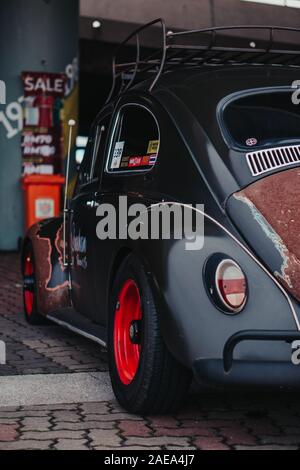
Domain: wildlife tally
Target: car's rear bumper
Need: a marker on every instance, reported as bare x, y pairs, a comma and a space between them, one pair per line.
250, 372
269, 373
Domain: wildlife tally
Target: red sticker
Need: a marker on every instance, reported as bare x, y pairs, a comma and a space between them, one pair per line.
145, 160
135, 161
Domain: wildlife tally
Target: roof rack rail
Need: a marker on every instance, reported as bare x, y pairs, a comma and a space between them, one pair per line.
211, 46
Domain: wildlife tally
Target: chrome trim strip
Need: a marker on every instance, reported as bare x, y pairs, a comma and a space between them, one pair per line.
76, 330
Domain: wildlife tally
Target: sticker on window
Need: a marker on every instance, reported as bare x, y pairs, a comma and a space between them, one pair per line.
153, 146
124, 162
117, 155
133, 162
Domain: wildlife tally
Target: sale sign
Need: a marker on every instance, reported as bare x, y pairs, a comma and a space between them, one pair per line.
42, 137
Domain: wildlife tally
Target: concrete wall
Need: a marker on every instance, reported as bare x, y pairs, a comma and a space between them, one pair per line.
31, 31
188, 14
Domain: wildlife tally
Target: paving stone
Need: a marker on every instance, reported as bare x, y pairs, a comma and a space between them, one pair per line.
102, 438
266, 447
36, 424
85, 425
71, 444
180, 448
8, 432
127, 448
8, 421
238, 436
20, 414
48, 408
47, 435
26, 445
95, 408
134, 428
158, 441
281, 440
208, 443
66, 416
185, 432
113, 417
164, 421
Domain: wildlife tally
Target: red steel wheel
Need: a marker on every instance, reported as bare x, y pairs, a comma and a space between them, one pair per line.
127, 332
28, 283
145, 377
32, 315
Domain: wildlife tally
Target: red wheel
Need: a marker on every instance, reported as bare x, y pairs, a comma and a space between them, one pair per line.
32, 316
145, 377
28, 284
127, 332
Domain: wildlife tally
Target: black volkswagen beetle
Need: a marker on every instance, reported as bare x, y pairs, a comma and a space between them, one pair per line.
208, 118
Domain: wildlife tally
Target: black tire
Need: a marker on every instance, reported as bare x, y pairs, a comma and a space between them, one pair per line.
29, 284
161, 382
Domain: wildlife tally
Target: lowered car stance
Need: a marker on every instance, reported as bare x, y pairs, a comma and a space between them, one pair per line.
208, 118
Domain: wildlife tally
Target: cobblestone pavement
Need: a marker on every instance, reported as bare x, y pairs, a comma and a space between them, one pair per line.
213, 420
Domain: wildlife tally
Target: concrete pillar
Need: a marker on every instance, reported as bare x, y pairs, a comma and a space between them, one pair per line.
35, 35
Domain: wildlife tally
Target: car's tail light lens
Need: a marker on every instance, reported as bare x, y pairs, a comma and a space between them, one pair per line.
231, 285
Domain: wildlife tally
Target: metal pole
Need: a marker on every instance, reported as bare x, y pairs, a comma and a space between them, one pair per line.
71, 123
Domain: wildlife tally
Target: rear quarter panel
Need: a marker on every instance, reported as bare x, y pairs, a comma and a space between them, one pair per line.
51, 276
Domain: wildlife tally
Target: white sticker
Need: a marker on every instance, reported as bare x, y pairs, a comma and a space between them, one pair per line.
117, 156
44, 208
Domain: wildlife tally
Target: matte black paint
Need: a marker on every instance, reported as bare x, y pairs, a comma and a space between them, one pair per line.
195, 165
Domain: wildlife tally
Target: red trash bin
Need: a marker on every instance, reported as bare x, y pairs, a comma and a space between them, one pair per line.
42, 197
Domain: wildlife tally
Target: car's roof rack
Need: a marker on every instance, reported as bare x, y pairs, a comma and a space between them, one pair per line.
212, 46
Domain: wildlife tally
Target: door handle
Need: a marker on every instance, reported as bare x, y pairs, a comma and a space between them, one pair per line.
92, 204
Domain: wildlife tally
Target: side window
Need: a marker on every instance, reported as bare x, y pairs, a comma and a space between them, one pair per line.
84, 169
99, 149
136, 141
93, 159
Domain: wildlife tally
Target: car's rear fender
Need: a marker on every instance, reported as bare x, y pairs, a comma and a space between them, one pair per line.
192, 325
51, 276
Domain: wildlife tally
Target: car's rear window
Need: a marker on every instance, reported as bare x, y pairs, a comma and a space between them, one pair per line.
262, 119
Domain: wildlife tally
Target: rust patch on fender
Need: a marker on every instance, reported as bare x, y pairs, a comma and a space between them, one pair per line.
275, 205
56, 296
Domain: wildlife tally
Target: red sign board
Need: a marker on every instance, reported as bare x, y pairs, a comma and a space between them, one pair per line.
49, 84
42, 138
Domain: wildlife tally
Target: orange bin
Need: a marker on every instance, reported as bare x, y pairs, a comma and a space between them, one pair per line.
42, 197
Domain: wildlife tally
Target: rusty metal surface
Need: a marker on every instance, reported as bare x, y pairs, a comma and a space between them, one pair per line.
274, 202
51, 276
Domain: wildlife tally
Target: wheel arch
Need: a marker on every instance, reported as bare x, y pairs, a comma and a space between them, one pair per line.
165, 318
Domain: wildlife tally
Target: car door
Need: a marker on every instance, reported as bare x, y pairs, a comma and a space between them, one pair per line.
130, 154
81, 223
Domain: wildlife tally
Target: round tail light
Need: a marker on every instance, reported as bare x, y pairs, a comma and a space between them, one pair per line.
231, 285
